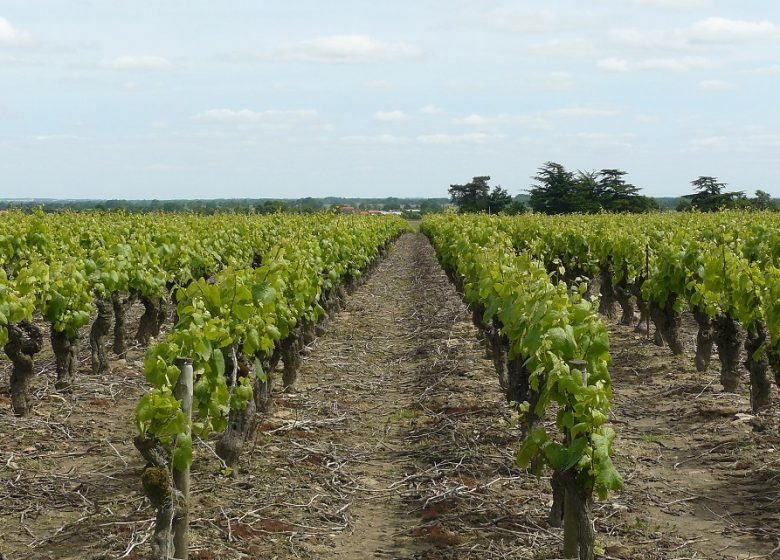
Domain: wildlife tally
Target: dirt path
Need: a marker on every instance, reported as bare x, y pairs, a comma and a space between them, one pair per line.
398, 444
400, 373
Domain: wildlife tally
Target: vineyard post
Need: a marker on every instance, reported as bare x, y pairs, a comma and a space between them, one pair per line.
181, 478
647, 276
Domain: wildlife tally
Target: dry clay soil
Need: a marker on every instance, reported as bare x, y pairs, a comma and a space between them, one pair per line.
397, 443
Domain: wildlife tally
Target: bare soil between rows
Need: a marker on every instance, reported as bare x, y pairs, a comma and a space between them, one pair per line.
397, 443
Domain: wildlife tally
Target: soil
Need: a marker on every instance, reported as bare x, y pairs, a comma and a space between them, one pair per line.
396, 442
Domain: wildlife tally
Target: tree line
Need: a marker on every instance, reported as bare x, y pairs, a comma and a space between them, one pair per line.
557, 190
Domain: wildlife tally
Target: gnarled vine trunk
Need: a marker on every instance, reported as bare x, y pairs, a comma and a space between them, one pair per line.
578, 518
774, 362
477, 314
757, 363
322, 321
555, 517
350, 283
291, 356
149, 325
158, 487
729, 340
644, 308
607, 302
519, 381
65, 350
240, 425
98, 336
667, 323
24, 341
498, 353
705, 338
120, 305
263, 388
308, 332
623, 296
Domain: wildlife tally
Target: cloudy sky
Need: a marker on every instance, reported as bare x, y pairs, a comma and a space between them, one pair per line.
249, 98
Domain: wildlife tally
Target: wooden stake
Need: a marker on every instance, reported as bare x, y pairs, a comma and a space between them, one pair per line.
181, 478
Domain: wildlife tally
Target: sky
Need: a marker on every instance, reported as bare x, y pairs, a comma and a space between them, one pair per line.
253, 98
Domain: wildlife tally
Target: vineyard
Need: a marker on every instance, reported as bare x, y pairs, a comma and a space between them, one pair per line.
315, 386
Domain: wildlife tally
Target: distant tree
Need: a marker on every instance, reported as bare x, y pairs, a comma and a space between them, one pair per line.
391, 203
271, 207
555, 191
473, 196
428, 206
309, 204
710, 195
558, 191
763, 201
586, 192
684, 204
477, 196
617, 195
515, 207
498, 200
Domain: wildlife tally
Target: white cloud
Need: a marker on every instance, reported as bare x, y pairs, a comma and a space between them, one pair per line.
479, 121
614, 64
581, 112
715, 85
710, 31
431, 110
391, 116
606, 136
343, 49
674, 64
131, 86
246, 116
538, 121
678, 4
564, 48
9, 60
773, 70
473, 138
58, 138
724, 30
13, 37
521, 21
425, 139
710, 142
555, 81
607, 139
143, 62
645, 118
650, 39
763, 140
379, 84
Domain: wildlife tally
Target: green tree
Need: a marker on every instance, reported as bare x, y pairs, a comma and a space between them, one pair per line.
271, 207
309, 204
430, 207
498, 200
477, 196
710, 195
515, 207
763, 201
555, 191
617, 195
391, 203
473, 196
